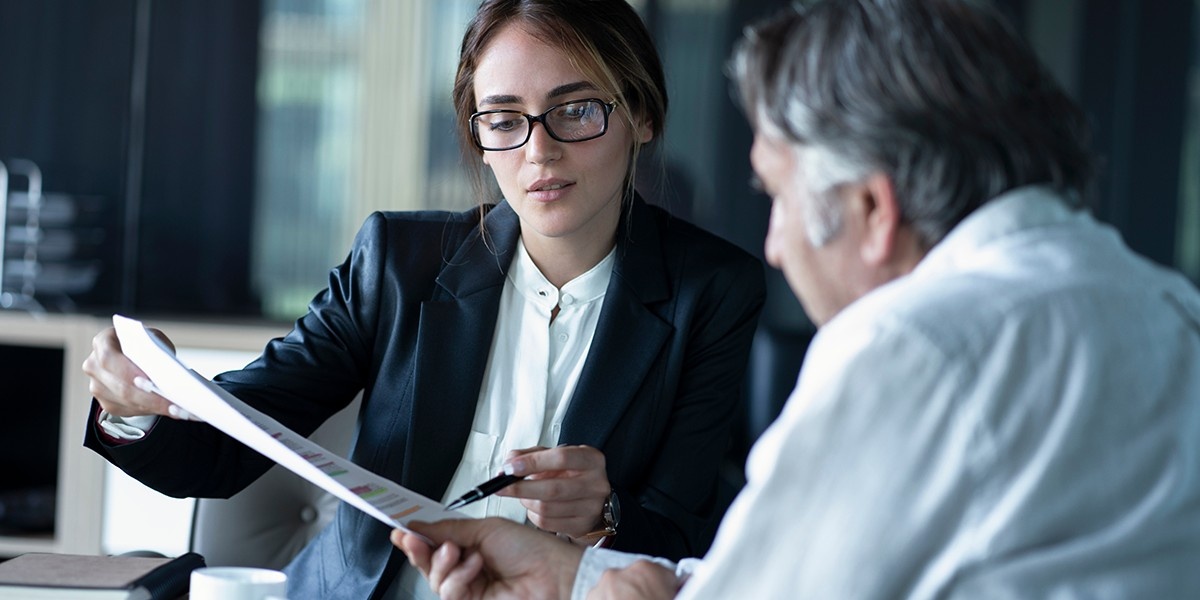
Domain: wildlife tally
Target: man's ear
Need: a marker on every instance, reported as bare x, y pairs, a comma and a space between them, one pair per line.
882, 212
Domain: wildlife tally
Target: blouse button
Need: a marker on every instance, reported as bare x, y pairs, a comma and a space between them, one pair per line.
567, 300
562, 337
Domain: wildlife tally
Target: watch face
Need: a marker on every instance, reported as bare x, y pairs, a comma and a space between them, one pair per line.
614, 509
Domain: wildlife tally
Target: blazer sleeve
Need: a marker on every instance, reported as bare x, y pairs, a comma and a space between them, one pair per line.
674, 511
300, 380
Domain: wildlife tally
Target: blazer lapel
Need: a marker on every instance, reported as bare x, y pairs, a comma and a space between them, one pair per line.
455, 335
629, 335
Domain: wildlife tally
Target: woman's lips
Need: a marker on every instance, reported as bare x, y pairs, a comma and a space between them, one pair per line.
549, 191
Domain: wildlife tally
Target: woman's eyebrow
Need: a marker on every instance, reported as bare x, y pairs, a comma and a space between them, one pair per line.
500, 99
570, 88
562, 90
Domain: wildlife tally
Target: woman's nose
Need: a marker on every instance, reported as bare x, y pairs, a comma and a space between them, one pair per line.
541, 148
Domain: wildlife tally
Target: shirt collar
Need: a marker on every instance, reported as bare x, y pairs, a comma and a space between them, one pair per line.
530, 282
1014, 211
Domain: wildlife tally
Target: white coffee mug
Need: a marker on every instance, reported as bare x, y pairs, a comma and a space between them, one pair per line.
237, 583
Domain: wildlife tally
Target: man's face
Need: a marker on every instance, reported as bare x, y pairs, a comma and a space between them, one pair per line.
822, 277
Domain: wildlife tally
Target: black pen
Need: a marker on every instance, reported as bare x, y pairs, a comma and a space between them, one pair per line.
484, 490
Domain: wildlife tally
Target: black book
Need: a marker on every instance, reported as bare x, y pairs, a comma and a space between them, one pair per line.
45, 576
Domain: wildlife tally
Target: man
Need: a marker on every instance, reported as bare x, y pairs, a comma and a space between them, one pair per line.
1002, 400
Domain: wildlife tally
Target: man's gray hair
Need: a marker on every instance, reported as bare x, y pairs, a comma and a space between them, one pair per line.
820, 173
942, 96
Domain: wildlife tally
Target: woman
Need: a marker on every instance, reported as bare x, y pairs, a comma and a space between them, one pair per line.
570, 333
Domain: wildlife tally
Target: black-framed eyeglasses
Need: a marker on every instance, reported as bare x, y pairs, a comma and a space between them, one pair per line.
574, 121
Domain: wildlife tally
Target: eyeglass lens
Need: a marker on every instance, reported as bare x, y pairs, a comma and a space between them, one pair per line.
570, 122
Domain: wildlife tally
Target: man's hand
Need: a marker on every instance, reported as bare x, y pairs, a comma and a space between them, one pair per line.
489, 559
564, 488
642, 579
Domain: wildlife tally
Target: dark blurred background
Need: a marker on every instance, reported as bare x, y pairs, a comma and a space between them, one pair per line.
213, 158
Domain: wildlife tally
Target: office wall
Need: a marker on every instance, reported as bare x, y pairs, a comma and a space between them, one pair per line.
64, 98
150, 108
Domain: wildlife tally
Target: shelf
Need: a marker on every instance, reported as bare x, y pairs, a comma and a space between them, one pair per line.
80, 472
11, 546
81, 513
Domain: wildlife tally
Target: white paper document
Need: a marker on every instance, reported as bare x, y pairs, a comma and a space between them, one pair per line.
381, 498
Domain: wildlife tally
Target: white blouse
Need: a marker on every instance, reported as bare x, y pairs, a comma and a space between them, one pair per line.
532, 370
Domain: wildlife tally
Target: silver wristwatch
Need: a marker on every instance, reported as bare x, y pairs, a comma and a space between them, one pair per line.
610, 517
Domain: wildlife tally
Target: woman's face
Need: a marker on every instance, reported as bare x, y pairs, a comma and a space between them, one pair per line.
564, 193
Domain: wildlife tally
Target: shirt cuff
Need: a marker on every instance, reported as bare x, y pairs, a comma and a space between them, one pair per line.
598, 560
126, 428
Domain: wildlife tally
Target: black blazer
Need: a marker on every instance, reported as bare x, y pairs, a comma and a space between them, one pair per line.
408, 318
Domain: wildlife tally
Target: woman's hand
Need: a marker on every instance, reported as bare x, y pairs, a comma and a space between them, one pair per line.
564, 489
121, 388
